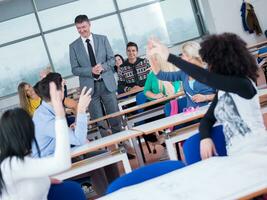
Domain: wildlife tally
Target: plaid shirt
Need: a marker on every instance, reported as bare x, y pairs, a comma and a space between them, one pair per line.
131, 75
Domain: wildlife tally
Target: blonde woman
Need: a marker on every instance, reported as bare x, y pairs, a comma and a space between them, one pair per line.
29, 100
198, 94
156, 89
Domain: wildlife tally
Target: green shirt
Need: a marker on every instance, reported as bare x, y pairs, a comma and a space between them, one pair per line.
152, 85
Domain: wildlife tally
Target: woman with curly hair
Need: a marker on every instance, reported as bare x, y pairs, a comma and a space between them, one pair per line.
28, 99
233, 72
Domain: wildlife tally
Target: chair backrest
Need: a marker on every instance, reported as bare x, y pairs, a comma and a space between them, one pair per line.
144, 173
140, 99
191, 146
181, 105
67, 190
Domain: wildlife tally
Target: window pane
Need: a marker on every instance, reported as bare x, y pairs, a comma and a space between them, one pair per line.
114, 32
130, 3
55, 17
58, 45
18, 28
21, 62
58, 42
171, 21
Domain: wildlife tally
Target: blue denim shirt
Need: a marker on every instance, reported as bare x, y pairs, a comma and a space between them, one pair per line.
198, 88
44, 122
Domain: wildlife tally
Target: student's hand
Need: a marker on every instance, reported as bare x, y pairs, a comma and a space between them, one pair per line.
56, 100
84, 100
207, 148
155, 47
158, 96
199, 98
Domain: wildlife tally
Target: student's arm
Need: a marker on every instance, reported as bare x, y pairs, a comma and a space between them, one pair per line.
148, 88
41, 167
208, 120
122, 85
207, 147
241, 86
170, 76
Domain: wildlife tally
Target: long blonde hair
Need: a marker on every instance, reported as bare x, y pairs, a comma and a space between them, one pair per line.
23, 98
164, 66
191, 50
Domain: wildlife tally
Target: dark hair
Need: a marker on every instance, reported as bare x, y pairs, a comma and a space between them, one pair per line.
16, 137
132, 44
42, 87
227, 54
118, 55
81, 18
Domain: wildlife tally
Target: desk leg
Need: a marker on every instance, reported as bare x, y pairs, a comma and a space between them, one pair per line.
171, 150
126, 164
138, 152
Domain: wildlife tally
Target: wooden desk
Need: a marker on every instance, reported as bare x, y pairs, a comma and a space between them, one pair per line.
230, 177
131, 92
95, 162
135, 108
258, 45
104, 142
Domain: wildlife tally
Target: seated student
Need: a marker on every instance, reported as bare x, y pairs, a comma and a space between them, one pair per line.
44, 119
23, 177
68, 102
118, 63
28, 99
156, 89
233, 72
134, 70
197, 93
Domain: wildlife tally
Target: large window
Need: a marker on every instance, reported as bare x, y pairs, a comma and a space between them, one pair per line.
37, 33
21, 62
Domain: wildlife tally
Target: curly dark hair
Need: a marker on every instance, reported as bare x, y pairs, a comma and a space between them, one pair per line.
227, 54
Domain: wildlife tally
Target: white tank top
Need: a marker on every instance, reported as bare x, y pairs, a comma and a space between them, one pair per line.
242, 122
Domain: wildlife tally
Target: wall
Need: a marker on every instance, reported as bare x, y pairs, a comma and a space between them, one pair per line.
224, 16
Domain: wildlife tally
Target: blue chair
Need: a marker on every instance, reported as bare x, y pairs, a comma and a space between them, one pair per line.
182, 102
144, 173
67, 190
191, 146
140, 99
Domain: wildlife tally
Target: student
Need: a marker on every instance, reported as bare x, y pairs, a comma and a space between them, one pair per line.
156, 89
118, 63
197, 93
23, 177
134, 70
44, 119
28, 99
233, 72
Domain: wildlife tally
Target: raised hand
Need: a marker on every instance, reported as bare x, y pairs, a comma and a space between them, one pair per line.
84, 100
56, 97
155, 47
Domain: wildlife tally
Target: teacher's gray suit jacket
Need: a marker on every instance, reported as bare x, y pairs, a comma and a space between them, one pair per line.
81, 65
